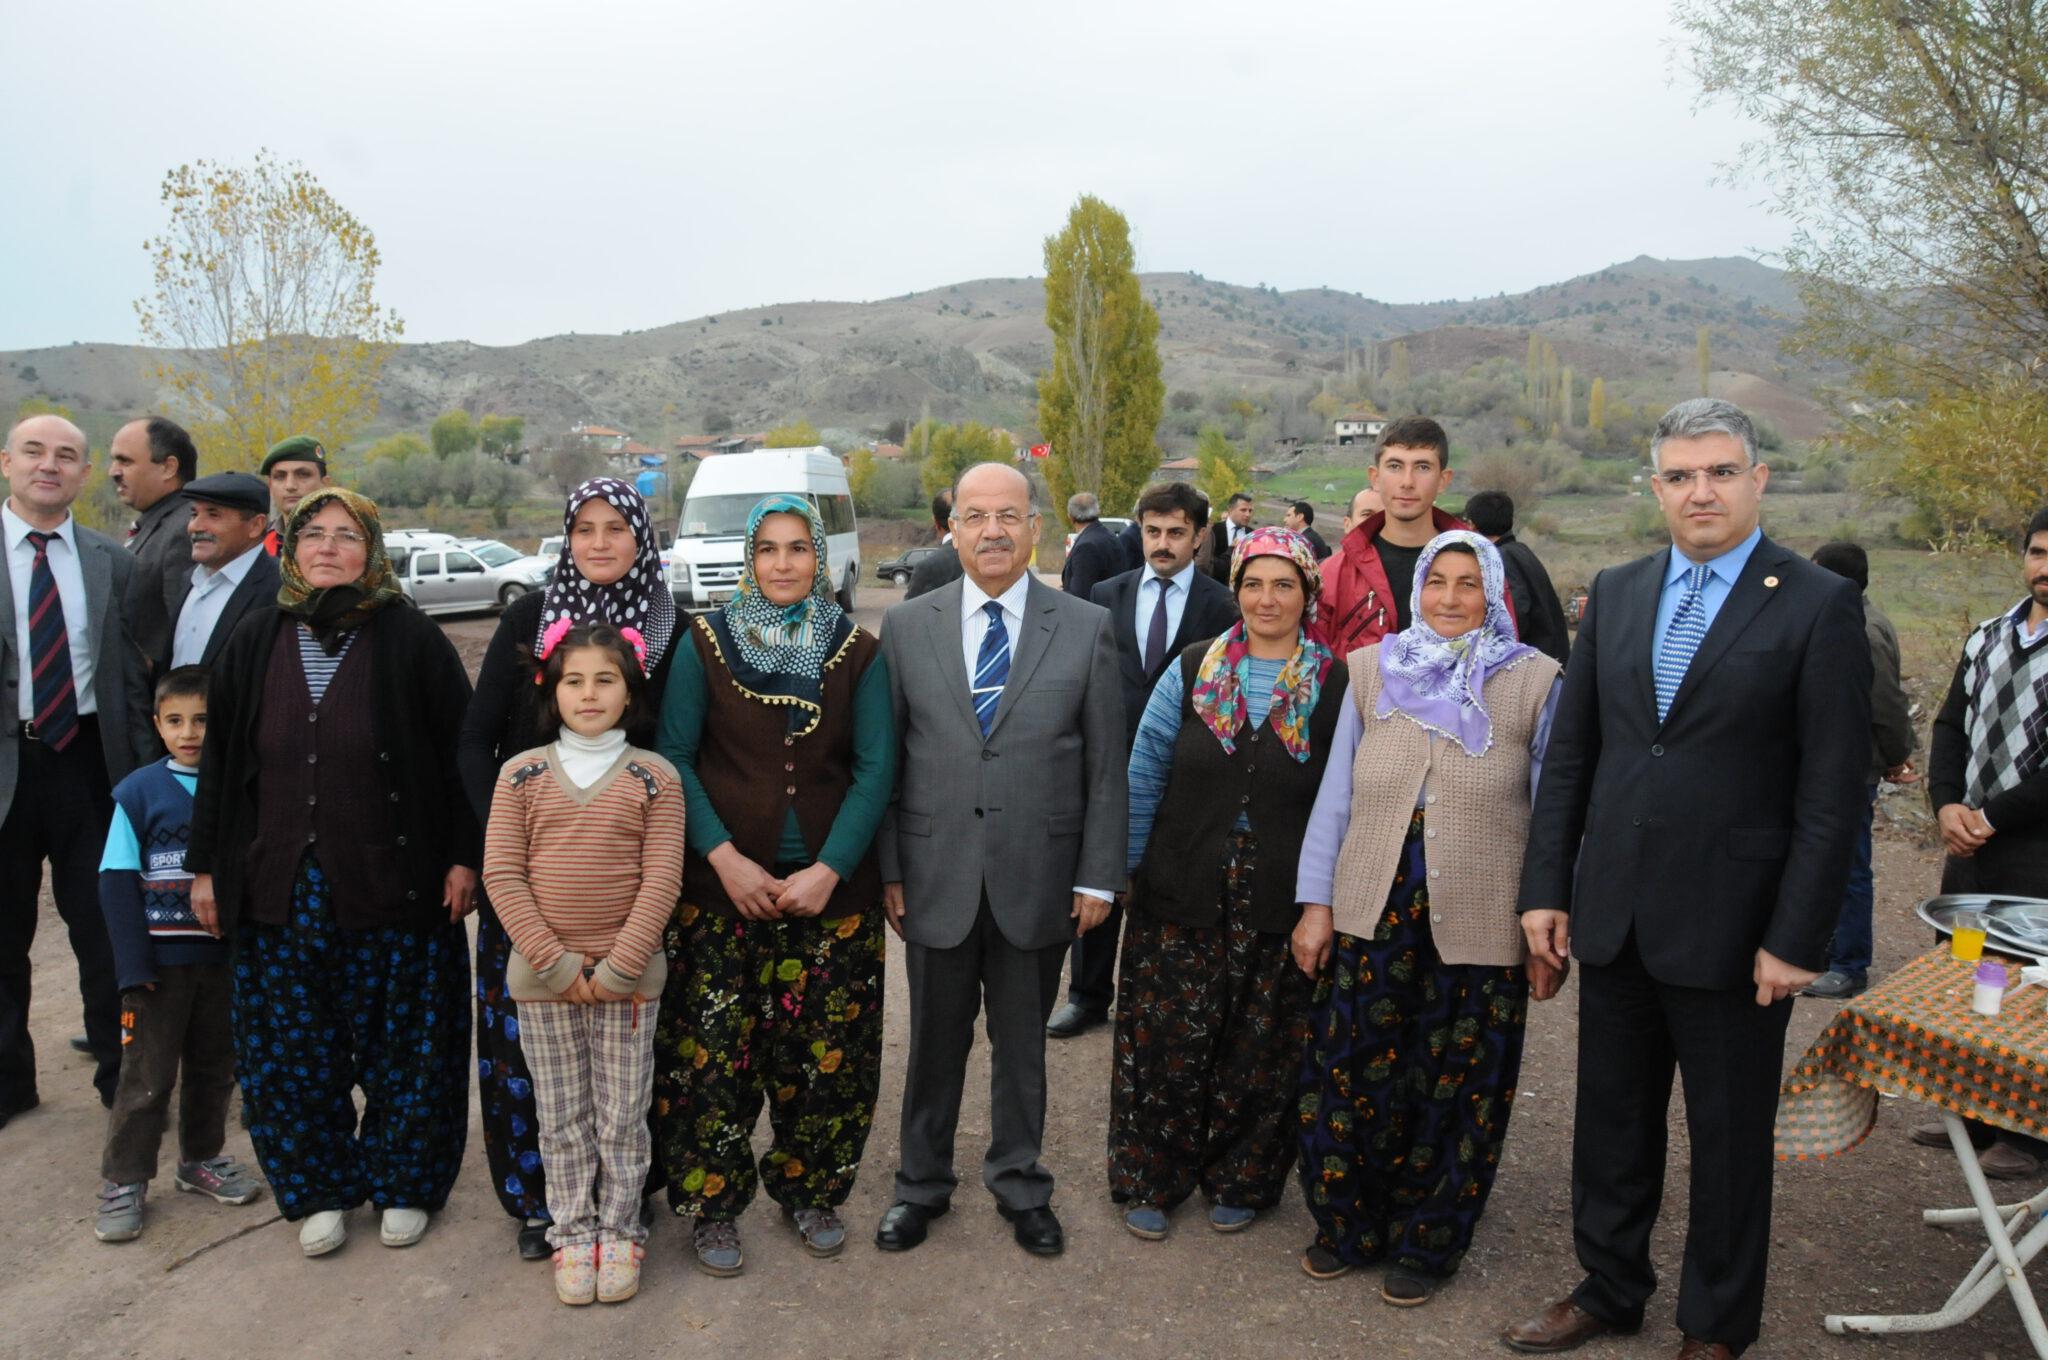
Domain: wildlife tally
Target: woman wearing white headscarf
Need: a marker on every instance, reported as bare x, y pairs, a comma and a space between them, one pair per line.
1408, 879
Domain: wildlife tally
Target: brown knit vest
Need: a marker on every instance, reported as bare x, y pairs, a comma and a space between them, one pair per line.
755, 769
1476, 818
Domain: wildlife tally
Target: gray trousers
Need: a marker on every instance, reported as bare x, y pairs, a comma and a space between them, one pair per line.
176, 1036
947, 989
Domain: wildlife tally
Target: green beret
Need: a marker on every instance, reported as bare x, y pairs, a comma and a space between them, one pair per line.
300, 448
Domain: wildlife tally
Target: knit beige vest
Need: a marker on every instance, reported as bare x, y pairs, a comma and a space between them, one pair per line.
1475, 817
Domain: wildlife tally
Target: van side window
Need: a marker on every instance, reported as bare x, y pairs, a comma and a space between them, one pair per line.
835, 513
427, 564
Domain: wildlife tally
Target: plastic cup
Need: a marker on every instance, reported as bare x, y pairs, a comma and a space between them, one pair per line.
1966, 940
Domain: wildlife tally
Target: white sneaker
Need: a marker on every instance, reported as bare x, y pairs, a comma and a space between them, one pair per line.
403, 1227
323, 1232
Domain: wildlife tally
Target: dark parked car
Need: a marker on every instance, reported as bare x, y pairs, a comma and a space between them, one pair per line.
898, 569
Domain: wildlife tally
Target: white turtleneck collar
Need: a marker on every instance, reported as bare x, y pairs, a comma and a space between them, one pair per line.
584, 759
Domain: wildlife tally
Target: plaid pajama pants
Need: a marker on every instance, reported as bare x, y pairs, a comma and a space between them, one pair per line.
593, 1075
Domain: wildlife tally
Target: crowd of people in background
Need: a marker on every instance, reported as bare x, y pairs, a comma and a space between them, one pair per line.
1308, 825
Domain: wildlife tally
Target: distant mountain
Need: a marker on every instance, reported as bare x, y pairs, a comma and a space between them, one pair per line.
974, 350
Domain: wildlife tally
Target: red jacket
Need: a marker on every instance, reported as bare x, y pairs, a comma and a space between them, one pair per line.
1356, 608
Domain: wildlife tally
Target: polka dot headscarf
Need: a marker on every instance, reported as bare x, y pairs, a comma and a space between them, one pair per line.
639, 599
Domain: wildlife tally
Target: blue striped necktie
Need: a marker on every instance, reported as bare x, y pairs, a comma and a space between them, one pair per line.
992, 667
49, 651
1681, 639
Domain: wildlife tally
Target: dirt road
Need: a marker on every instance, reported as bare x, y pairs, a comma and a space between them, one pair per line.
1847, 1238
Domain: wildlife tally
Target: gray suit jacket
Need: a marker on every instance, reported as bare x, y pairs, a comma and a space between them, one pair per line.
120, 683
1027, 815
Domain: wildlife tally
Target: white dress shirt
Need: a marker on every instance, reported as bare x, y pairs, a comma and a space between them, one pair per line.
204, 603
1148, 600
70, 574
974, 626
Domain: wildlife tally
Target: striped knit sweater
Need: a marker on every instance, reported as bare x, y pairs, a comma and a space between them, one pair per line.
593, 871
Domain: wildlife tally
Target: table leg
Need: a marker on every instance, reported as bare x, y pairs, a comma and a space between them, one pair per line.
2003, 1265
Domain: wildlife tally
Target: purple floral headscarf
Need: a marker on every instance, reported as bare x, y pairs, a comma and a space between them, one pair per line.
1439, 683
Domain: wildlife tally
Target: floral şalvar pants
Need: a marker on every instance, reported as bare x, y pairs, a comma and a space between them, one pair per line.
788, 1012
1406, 1087
320, 1010
1209, 1035
511, 1121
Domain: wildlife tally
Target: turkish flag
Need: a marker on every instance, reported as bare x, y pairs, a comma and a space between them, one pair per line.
1041, 450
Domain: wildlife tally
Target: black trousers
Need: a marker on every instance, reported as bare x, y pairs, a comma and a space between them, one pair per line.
1729, 1052
181, 1037
948, 987
1091, 974
60, 812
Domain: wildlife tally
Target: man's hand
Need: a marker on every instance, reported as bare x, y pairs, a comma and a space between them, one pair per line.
1313, 935
203, 905
752, 889
1089, 912
892, 905
1549, 936
1963, 829
805, 892
458, 892
1546, 979
1777, 979
1902, 773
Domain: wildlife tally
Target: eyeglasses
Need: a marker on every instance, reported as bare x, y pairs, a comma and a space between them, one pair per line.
979, 519
1720, 474
340, 538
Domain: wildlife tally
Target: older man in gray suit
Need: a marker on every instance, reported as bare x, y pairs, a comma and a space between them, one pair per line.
76, 721
1004, 842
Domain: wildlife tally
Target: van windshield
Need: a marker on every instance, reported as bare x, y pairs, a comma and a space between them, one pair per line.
711, 516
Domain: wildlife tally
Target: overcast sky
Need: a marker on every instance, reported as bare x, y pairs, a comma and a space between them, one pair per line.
535, 168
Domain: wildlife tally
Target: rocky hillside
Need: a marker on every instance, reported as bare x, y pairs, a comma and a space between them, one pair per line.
972, 350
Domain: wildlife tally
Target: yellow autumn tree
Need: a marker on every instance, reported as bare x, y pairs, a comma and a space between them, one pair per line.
265, 294
1221, 468
799, 434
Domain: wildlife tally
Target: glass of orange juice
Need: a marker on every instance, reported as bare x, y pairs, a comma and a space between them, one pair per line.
1966, 940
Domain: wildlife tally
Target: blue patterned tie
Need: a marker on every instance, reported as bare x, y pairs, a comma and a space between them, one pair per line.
992, 667
49, 652
1681, 639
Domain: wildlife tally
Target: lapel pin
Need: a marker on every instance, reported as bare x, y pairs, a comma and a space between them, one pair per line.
1770, 583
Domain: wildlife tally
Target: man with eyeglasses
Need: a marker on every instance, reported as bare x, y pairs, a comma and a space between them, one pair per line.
295, 468
1003, 843
1690, 845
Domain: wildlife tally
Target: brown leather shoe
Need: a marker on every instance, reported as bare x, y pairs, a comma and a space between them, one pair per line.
1562, 1326
1695, 1349
2004, 1162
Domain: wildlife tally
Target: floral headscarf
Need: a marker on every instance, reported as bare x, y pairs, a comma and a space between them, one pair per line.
638, 600
793, 639
1439, 683
331, 612
1226, 667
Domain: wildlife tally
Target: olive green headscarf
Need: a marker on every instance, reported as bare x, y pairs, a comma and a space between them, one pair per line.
332, 612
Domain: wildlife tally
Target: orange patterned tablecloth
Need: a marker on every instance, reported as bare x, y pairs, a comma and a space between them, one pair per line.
1915, 1035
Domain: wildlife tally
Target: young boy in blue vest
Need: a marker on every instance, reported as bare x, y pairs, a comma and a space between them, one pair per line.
174, 979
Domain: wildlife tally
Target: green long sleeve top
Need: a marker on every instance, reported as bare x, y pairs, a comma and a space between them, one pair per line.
874, 767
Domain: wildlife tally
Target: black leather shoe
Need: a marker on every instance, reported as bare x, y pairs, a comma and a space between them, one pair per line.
906, 1224
1070, 1021
81, 1044
533, 1240
1038, 1230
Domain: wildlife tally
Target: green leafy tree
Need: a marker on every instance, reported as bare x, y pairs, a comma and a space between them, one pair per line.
502, 436
1972, 462
863, 471
451, 433
1703, 357
265, 289
952, 449
1100, 402
1222, 467
399, 446
798, 435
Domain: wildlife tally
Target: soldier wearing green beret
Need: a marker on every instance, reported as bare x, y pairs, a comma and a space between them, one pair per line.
295, 468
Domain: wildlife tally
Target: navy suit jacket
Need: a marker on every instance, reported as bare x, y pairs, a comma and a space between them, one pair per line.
1211, 608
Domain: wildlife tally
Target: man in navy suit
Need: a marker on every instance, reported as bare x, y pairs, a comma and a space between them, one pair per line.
1689, 846
1155, 612
1093, 559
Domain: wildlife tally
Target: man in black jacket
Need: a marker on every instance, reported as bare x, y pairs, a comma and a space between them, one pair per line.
1154, 612
227, 574
150, 462
1538, 614
1232, 525
939, 568
1093, 559
1690, 845
1301, 517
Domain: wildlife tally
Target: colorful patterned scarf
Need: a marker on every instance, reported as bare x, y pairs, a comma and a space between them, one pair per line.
1439, 683
787, 640
330, 613
1226, 667
639, 599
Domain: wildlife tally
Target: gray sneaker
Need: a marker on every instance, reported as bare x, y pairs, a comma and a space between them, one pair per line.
1835, 985
718, 1247
823, 1232
224, 1178
120, 1215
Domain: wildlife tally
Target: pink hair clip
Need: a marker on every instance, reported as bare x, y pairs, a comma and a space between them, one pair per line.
552, 637
632, 635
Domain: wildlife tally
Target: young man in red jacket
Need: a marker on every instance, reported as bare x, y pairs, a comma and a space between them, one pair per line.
1368, 582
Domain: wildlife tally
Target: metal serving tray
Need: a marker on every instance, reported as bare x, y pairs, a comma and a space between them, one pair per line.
2016, 924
